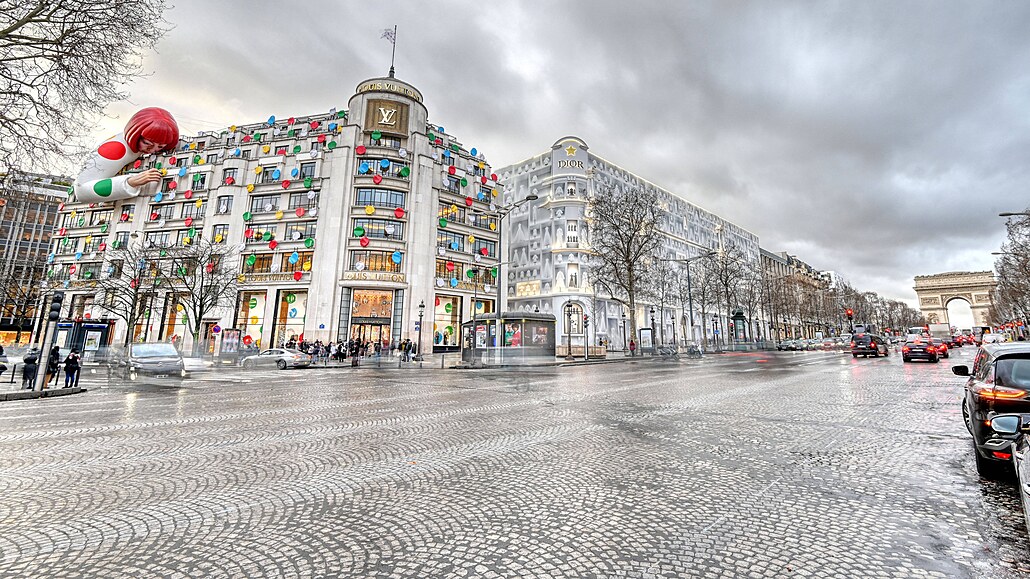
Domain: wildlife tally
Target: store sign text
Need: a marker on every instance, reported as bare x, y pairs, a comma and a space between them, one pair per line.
373, 276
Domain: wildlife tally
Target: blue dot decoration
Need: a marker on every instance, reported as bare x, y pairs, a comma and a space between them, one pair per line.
454, 245
294, 172
473, 152
293, 312
332, 126
454, 282
182, 171
276, 174
385, 163
363, 168
78, 255
294, 257
271, 120
396, 257
482, 196
158, 197
446, 153
236, 153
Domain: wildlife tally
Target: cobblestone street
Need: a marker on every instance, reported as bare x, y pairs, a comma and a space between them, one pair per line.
807, 464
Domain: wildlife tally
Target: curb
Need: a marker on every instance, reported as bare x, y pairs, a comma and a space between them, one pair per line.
33, 394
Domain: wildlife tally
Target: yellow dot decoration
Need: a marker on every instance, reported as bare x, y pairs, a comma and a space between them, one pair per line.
307, 266
89, 238
250, 188
198, 204
494, 192
232, 129
472, 239
370, 210
200, 162
482, 165
241, 278
259, 169
493, 226
253, 319
454, 208
179, 308
266, 149
279, 214
164, 172
73, 213
193, 146
186, 240
218, 238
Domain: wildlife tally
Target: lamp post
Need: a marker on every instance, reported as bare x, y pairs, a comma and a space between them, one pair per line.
421, 312
652, 330
690, 292
672, 316
715, 330
625, 344
568, 331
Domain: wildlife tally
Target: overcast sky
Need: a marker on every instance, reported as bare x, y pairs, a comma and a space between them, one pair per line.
877, 139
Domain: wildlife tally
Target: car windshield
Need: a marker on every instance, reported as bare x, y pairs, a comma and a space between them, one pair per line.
154, 350
862, 339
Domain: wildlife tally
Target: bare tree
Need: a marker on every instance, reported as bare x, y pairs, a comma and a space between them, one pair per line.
751, 296
131, 278
61, 63
704, 291
663, 290
205, 277
625, 238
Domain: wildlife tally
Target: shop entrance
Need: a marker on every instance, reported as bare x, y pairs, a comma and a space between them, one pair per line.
374, 332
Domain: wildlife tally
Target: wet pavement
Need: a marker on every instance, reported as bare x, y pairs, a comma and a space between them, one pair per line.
792, 464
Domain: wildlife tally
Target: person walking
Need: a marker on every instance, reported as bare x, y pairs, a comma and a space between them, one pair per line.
71, 368
632, 348
53, 364
29, 368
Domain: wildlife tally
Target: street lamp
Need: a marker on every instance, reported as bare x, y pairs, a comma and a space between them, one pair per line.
652, 329
625, 344
1014, 214
421, 312
672, 316
568, 331
690, 292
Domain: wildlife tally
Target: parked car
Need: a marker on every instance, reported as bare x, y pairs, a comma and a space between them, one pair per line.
999, 382
281, 358
919, 349
942, 347
785, 345
156, 359
1009, 436
868, 345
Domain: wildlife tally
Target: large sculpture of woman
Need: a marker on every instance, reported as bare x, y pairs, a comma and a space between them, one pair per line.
149, 131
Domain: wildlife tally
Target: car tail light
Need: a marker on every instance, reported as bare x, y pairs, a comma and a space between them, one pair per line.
999, 392
1002, 455
930, 350
852, 344
904, 349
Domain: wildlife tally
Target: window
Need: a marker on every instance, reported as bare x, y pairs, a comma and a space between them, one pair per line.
199, 181
224, 204
212, 159
101, 217
159, 212
121, 239
157, 239
570, 188
483, 221
572, 232
184, 234
286, 266
262, 263
451, 212
489, 246
128, 212
165, 185
201, 145
384, 141
381, 197
245, 154
298, 231
220, 233
300, 199
190, 209
450, 240
266, 176
307, 170
380, 228
114, 270
91, 245
264, 203
457, 270
229, 173
181, 161
577, 318
316, 146
453, 184
373, 261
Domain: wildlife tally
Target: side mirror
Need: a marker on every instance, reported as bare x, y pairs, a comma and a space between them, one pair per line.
960, 370
1006, 423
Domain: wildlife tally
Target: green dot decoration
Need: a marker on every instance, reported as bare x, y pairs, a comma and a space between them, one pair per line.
405, 171
247, 215
464, 182
296, 148
307, 182
376, 135
443, 222
331, 145
309, 242
251, 259
359, 231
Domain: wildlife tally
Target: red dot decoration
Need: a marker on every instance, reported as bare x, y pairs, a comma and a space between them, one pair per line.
493, 176
172, 161
286, 183
154, 216
300, 212
137, 164
438, 300
172, 185
360, 149
112, 150
314, 124
484, 250
297, 275
364, 241
229, 180
468, 201
377, 179
451, 170
483, 179
399, 213
321, 138
188, 194
273, 244
450, 267
247, 138
248, 233
189, 221
125, 217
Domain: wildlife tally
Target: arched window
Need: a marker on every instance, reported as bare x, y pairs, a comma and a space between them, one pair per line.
576, 324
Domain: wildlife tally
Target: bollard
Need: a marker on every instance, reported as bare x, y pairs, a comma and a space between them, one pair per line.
442, 356
14, 368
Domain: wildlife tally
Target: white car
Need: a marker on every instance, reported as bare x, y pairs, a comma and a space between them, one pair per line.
281, 358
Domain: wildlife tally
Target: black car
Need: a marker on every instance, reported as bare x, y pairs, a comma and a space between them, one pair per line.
919, 349
998, 383
158, 360
1010, 436
869, 345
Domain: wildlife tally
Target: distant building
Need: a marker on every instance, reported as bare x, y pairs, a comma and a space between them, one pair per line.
799, 300
548, 245
29, 205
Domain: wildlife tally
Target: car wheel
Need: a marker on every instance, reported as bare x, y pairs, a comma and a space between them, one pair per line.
247, 364
965, 418
906, 359
935, 360
886, 353
281, 364
990, 469
854, 355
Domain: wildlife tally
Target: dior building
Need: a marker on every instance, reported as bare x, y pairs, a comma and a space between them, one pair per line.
548, 244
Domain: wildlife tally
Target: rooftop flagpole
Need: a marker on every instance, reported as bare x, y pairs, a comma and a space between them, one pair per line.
391, 35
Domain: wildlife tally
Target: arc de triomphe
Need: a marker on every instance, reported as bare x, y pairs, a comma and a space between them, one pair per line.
935, 291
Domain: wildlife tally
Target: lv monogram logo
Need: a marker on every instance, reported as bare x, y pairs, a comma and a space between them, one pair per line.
387, 116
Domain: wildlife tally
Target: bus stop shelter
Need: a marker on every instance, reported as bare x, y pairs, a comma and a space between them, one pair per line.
523, 338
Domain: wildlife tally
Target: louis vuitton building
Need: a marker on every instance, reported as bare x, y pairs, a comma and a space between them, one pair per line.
346, 222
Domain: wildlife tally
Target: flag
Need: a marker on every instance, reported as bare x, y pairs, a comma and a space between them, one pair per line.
389, 34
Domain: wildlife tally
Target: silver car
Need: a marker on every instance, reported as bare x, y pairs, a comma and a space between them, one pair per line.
281, 358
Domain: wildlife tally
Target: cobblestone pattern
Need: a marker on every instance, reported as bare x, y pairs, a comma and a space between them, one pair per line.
779, 465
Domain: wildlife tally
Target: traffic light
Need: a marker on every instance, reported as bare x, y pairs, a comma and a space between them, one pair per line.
850, 313
586, 320
731, 324
55, 306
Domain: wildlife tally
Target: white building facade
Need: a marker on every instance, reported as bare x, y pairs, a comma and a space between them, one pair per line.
548, 246
346, 222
